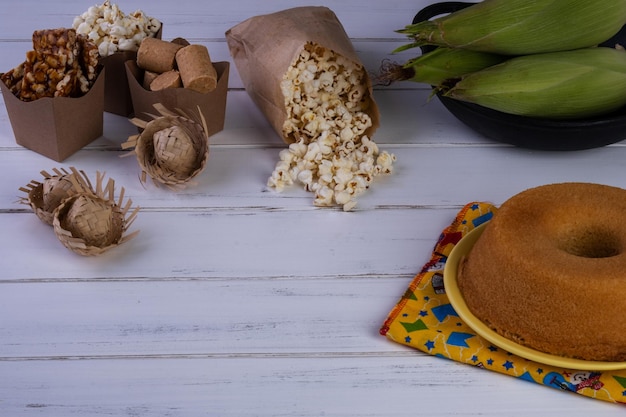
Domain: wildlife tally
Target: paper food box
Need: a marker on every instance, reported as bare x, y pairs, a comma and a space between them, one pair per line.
117, 99
60, 126
117, 95
211, 104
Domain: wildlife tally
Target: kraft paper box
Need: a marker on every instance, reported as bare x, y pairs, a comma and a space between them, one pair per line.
60, 126
212, 104
117, 98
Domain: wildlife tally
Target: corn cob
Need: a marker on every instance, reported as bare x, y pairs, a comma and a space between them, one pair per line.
558, 85
436, 66
519, 27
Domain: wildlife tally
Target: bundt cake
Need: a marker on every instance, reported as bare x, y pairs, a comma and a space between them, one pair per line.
549, 271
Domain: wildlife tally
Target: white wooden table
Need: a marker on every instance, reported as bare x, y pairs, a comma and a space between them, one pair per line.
235, 300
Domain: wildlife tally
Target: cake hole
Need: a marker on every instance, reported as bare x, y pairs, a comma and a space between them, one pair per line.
591, 243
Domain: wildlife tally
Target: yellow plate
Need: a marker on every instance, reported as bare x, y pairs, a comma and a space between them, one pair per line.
458, 303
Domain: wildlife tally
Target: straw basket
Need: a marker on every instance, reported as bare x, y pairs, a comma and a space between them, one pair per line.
172, 148
90, 222
46, 195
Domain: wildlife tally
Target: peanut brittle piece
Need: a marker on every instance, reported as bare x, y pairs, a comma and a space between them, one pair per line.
13, 79
69, 85
89, 57
35, 83
59, 41
42, 80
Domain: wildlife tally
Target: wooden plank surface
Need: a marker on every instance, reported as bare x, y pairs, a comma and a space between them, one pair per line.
235, 300
277, 386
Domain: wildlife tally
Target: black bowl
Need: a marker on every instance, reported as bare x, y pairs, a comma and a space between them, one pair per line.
530, 132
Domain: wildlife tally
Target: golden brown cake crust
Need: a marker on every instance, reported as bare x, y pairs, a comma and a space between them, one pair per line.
549, 271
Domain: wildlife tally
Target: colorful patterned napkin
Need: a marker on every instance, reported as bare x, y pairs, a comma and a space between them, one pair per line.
424, 319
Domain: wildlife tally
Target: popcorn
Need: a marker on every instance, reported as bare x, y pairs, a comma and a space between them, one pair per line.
112, 31
326, 100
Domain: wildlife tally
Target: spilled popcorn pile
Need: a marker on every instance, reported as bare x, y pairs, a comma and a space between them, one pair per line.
326, 98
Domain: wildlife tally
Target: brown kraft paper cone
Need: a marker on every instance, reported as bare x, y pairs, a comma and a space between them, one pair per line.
263, 47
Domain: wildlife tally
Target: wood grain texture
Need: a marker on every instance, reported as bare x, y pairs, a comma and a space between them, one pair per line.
235, 300
274, 386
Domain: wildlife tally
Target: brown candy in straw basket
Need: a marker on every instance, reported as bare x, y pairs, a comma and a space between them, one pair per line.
46, 195
173, 147
90, 222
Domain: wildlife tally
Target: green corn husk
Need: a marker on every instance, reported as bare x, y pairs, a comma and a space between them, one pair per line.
520, 27
436, 66
559, 85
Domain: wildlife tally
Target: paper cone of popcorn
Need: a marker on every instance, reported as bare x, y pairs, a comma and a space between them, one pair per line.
273, 54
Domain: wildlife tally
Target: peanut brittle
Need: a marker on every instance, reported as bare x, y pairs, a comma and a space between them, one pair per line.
61, 64
56, 42
13, 79
89, 57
